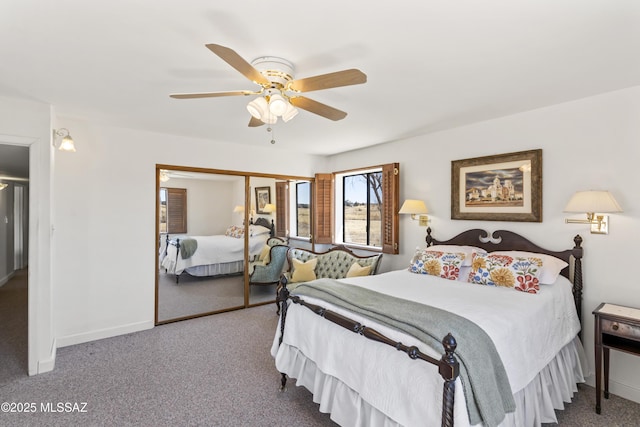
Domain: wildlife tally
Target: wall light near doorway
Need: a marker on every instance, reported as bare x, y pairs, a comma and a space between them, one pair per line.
3, 186
66, 143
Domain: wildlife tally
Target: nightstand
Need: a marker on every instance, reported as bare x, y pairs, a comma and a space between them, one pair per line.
616, 327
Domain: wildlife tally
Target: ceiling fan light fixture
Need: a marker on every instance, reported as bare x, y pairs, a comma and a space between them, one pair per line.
277, 104
258, 108
289, 113
269, 118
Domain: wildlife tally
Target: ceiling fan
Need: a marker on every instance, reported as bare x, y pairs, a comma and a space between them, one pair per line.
278, 92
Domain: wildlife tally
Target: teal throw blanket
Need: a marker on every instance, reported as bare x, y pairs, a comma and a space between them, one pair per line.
188, 247
484, 379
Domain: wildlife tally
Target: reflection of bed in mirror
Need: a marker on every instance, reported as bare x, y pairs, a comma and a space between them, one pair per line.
217, 255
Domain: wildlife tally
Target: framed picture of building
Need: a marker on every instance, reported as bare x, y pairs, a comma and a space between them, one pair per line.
504, 187
263, 198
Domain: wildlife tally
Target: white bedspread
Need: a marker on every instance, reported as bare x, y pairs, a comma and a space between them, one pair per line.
213, 250
528, 331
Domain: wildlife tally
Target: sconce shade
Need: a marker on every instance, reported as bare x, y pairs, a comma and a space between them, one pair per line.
592, 201
3, 186
66, 144
269, 208
413, 207
238, 209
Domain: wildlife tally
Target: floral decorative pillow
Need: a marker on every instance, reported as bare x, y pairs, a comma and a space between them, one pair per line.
468, 251
519, 273
435, 263
235, 231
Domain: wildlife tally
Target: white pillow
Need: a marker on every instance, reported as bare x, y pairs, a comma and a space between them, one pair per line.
551, 266
256, 230
466, 250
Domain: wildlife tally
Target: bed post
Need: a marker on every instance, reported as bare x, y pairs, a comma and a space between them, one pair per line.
429, 238
283, 296
177, 255
449, 370
576, 252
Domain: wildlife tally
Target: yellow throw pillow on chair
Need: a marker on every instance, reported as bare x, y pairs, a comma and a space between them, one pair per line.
304, 271
265, 254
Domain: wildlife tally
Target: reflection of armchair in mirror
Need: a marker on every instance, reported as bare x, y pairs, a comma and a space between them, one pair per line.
269, 265
268, 268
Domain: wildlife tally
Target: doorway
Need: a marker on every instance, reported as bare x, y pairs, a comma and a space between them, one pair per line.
14, 174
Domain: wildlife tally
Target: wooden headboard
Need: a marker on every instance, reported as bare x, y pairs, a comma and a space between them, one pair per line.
265, 223
503, 240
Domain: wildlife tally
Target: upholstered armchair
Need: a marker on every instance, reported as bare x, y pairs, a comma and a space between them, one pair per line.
268, 271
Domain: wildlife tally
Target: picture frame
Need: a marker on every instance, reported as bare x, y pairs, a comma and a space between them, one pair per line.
263, 197
504, 187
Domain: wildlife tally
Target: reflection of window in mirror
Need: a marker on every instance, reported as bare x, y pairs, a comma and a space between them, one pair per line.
300, 209
173, 210
303, 203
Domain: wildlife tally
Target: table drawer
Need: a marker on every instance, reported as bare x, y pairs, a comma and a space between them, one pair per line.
620, 329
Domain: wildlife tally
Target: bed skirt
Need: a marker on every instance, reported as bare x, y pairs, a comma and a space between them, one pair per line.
216, 269
535, 404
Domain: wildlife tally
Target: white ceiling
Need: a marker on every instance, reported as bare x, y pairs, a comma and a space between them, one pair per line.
431, 64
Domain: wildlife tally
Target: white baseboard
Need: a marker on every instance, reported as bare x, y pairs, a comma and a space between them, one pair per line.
103, 333
623, 390
46, 365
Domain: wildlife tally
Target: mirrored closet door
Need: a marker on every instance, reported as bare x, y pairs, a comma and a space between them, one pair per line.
216, 232
201, 243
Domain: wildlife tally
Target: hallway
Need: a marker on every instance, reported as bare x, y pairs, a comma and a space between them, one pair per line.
13, 328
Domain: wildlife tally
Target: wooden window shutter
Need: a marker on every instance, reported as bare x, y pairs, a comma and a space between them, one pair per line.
282, 209
176, 210
323, 208
390, 207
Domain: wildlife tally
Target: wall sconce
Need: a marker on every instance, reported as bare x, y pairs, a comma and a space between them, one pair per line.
67, 142
3, 186
269, 208
593, 203
416, 208
238, 209
164, 176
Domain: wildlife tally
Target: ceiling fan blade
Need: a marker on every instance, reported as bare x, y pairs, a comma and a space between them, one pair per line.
318, 108
236, 61
326, 81
255, 122
212, 94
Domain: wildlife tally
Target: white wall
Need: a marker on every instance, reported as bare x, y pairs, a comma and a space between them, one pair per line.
105, 220
210, 204
593, 143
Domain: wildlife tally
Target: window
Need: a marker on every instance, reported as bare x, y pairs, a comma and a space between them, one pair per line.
358, 207
303, 203
361, 208
173, 210
299, 210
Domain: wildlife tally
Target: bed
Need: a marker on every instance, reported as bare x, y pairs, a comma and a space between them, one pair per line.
217, 255
366, 367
